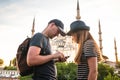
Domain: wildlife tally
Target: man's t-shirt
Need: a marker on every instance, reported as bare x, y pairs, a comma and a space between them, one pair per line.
45, 71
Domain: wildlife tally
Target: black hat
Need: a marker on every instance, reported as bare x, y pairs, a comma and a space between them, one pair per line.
76, 26
60, 25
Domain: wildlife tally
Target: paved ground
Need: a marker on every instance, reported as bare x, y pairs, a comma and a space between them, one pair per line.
9, 79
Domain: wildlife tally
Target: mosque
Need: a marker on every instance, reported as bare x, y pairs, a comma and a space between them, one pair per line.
65, 44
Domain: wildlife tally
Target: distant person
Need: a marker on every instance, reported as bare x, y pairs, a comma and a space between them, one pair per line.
88, 53
40, 55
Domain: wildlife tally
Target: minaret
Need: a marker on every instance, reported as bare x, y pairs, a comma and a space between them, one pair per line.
115, 46
33, 26
78, 17
100, 38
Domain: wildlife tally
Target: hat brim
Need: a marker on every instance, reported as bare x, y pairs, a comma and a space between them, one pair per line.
69, 33
72, 31
62, 31
77, 29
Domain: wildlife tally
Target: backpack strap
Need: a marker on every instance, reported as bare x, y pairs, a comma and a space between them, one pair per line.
45, 46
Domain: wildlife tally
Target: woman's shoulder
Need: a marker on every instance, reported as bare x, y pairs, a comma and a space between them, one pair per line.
89, 41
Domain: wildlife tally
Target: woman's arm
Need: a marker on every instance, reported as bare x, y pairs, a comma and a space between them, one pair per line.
93, 68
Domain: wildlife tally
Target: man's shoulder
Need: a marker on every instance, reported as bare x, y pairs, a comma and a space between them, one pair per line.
38, 34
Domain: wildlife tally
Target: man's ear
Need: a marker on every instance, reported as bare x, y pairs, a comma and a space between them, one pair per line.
51, 24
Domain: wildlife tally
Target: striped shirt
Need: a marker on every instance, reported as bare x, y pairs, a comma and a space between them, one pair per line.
88, 51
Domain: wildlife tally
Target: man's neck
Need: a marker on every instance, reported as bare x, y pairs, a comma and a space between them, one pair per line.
44, 32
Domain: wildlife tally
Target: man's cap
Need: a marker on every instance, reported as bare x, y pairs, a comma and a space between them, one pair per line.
76, 26
60, 25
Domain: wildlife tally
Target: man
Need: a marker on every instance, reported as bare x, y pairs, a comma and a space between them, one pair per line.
39, 53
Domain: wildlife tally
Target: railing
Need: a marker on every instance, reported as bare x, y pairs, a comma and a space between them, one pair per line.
9, 75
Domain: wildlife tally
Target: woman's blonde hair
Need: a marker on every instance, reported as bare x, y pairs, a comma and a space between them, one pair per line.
81, 37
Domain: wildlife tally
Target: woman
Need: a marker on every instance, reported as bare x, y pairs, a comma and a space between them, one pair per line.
88, 53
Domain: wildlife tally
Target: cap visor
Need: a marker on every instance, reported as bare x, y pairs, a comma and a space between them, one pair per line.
62, 32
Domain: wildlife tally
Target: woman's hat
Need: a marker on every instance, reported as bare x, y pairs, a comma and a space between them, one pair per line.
76, 26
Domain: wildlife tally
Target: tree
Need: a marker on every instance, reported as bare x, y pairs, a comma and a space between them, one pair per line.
14, 61
1, 62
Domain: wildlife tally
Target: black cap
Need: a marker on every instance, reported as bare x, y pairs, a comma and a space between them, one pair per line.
60, 25
76, 26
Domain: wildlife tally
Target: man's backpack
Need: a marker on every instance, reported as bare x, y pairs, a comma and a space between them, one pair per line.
21, 58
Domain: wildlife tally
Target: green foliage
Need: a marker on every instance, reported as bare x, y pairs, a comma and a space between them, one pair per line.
29, 77
66, 71
14, 61
111, 77
10, 68
1, 62
118, 65
104, 70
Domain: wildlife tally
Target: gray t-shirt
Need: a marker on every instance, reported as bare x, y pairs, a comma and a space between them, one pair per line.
45, 71
88, 51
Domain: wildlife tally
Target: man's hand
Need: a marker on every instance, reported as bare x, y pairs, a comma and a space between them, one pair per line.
59, 57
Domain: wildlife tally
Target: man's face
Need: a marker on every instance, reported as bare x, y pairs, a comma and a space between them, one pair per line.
54, 31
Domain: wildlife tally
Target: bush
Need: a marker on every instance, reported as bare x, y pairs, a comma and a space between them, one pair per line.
111, 77
29, 77
66, 71
10, 68
105, 71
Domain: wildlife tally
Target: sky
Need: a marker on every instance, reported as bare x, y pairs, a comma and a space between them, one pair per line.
16, 18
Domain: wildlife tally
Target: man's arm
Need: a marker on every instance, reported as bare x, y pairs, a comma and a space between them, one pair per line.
33, 57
